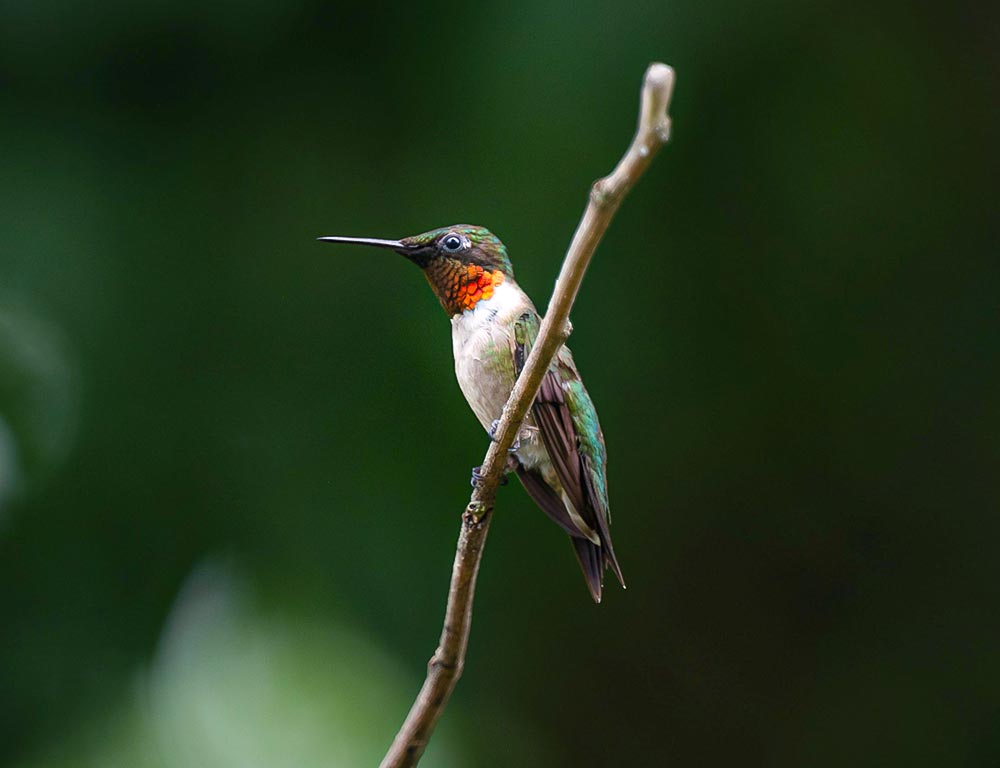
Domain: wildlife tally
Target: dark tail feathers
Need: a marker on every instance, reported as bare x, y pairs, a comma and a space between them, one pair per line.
593, 560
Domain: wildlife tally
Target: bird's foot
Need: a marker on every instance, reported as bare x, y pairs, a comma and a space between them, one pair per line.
477, 478
493, 436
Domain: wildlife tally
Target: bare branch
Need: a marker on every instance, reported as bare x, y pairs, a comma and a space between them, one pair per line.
606, 194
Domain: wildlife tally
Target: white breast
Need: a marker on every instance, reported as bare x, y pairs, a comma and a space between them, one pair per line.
484, 362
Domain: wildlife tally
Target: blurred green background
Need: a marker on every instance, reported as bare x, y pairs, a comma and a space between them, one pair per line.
232, 460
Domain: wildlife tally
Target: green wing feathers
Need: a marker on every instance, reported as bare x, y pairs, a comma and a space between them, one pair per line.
568, 424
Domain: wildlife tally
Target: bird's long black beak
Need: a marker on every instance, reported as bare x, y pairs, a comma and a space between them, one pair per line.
395, 245
416, 253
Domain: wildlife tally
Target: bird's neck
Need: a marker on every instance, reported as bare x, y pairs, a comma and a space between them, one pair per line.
460, 286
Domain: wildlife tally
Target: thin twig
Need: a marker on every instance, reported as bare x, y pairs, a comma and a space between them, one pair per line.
606, 194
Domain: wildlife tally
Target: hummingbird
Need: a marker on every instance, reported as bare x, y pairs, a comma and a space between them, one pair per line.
559, 455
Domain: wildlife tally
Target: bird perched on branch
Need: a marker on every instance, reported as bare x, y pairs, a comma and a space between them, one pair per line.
559, 455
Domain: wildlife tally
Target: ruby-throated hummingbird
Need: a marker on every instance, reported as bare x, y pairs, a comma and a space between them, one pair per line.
559, 456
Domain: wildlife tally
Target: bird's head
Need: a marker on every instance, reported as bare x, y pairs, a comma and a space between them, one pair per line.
463, 263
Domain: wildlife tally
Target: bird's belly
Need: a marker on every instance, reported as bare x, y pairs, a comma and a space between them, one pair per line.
484, 363
484, 367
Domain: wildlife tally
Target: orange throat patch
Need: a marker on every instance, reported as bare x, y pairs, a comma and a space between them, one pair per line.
460, 287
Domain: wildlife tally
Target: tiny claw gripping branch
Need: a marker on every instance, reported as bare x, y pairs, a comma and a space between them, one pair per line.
606, 195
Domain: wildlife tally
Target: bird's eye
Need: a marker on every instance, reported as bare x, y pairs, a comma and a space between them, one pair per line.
452, 243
